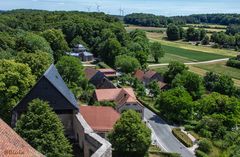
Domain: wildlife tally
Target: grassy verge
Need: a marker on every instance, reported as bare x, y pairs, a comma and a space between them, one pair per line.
103, 65
182, 137
149, 103
156, 152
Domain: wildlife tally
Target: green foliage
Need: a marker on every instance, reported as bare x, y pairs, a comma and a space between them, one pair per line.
38, 62
205, 145
57, 42
71, 69
233, 29
130, 136
233, 62
31, 43
6, 41
227, 107
174, 68
176, 105
219, 83
193, 34
111, 48
181, 136
201, 154
193, 83
127, 64
156, 51
205, 40
154, 88
173, 32
15, 81
43, 130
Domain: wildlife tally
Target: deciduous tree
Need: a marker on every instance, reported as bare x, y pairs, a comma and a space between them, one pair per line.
43, 130
156, 51
130, 136
15, 81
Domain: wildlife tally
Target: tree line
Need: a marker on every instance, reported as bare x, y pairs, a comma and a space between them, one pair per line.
160, 21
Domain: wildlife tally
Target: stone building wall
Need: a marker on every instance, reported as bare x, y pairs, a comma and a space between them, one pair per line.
92, 144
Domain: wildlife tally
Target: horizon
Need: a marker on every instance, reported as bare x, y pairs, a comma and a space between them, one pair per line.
156, 7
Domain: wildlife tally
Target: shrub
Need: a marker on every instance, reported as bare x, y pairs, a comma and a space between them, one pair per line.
201, 154
205, 146
233, 62
182, 137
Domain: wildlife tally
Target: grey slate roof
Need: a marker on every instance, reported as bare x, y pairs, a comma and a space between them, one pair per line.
85, 53
56, 80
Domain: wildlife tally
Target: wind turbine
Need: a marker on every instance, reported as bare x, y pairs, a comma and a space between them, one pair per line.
89, 9
98, 7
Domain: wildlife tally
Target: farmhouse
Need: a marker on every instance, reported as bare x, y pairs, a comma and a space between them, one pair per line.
147, 76
123, 97
81, 52
11, 144
52, 88
98, 79
100, 118
110, 73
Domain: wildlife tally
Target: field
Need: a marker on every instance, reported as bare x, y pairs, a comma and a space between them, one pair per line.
186, 52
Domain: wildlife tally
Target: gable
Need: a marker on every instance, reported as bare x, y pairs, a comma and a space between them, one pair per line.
44, 90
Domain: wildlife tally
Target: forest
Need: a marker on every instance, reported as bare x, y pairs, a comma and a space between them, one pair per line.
158, 21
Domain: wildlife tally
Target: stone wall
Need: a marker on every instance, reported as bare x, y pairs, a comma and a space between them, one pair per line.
92, 144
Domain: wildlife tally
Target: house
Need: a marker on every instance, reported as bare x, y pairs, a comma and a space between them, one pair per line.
124, 98
109, 73
148, 76
79, 48
98, 79
51, 88
100, 118
11, 144
81, 52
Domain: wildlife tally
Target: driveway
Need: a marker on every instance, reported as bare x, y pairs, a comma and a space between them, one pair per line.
164, 137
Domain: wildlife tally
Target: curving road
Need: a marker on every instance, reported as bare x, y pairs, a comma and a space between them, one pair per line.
192, 63
164, 137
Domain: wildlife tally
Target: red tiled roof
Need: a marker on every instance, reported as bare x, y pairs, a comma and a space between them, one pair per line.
107, 94
108, 72
149, 74
11, 144
119, 95
100, 118
139, 75
90, 72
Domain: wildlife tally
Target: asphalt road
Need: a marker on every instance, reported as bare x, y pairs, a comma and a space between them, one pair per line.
164, 136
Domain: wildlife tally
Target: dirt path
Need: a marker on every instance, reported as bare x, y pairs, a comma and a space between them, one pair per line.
192, 63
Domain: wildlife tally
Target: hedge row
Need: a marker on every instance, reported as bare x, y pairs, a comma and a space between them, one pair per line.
182, 137
233, 62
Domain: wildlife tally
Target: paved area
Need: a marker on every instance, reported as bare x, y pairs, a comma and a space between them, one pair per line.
163, 135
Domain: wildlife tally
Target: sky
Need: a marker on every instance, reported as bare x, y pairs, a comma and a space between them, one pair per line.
158, 7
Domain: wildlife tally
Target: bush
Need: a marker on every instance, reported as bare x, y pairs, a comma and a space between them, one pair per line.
201, 154
182, 137
233, 62
205, 146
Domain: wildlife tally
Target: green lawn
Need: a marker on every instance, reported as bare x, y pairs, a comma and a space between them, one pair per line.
191, 55
221, 68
